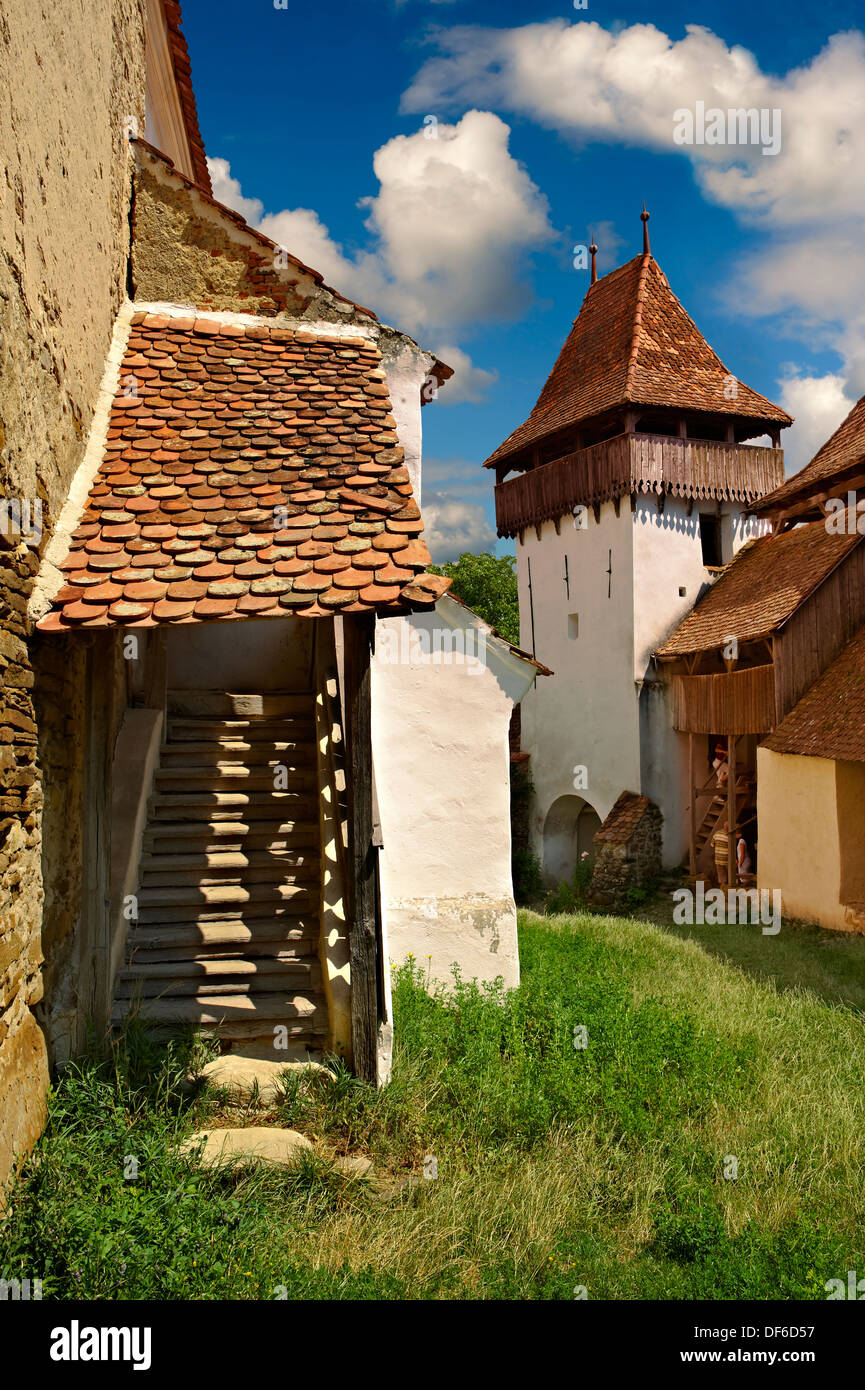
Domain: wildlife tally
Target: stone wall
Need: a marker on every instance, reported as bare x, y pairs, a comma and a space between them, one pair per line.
188, 249
70, 75
627, 851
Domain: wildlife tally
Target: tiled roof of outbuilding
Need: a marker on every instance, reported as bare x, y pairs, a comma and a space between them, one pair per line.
633, 344
250, 471
623, 819
829, 720
760, 589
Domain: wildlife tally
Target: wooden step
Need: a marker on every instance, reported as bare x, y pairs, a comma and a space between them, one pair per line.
220, 777
216, 893
308, 1009
181, 730
252, 804
235, 752
304, 905
259, 875
281, 861
272, 872
150, 979
260, 950
239, 837
241, 934
221, 704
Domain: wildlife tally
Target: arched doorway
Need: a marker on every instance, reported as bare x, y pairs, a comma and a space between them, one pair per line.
569, 831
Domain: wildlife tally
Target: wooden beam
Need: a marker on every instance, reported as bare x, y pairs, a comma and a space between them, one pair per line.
364, 936
731, 811
692, 811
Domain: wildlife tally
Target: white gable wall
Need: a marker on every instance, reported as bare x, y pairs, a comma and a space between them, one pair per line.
442, 770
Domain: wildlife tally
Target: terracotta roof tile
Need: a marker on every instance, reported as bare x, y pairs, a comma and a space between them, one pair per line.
623, 819
829, 720
760, 589
633, 344
210, 529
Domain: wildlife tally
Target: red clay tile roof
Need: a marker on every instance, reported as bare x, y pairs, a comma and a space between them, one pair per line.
623, 819
183, 78
249, 471
760, 589
845, 449
633, 344
829, 720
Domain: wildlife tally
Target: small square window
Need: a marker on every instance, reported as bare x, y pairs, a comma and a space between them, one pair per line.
573, 625
683, 592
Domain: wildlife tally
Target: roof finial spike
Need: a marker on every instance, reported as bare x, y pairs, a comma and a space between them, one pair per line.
593, 251
644, 218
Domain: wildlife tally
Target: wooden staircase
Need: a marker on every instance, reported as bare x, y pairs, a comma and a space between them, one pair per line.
227, 933
716, 813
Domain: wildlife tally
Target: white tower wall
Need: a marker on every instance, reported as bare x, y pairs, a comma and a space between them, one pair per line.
603, 707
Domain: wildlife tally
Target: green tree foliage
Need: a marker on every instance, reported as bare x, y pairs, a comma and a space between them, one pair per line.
488, 584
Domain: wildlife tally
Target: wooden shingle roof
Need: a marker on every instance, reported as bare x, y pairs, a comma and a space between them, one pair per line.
760, 589
250, 470
633, 344
829, 720
843, 451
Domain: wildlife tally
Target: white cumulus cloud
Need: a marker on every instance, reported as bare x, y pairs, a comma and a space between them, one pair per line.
450, 231
806, 202
819, 404
453, 527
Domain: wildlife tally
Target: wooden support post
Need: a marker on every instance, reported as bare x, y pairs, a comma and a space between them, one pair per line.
692, 811
731, 810
363, 905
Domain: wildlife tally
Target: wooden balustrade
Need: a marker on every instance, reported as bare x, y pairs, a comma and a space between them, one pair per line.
632, 464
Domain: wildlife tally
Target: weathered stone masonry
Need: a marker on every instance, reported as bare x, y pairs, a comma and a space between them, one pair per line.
70, 76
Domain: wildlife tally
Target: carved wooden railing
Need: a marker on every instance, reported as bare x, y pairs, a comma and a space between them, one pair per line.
633, 464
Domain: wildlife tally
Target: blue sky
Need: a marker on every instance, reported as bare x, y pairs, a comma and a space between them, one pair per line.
549, 121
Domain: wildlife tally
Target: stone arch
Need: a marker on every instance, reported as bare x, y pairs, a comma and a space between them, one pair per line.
569, 829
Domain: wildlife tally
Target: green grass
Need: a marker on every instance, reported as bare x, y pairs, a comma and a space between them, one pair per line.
830, 963
558, 1166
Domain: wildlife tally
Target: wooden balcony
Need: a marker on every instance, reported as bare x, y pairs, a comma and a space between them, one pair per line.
736, 702
634, 464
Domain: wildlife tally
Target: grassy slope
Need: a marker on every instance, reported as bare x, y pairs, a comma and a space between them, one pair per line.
558, 1167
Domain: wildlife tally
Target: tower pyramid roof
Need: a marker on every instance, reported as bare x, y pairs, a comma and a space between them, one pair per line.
633, 344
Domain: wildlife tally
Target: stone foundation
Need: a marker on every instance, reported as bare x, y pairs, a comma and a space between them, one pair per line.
627, 851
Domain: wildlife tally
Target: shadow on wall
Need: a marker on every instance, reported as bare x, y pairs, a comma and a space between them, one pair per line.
569, 831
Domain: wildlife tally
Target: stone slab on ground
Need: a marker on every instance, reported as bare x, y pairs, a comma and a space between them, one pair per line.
267, 1144
239, 1146
239, 1075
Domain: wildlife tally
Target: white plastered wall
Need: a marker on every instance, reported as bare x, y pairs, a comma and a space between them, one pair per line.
585, 714
604, 708
442, 769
